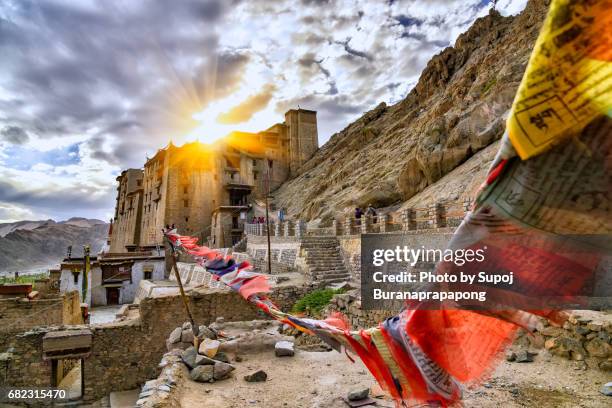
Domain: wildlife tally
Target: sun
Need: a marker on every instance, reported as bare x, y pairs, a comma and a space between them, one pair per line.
208, 128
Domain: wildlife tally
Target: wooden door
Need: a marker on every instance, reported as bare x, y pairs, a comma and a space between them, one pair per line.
112, 296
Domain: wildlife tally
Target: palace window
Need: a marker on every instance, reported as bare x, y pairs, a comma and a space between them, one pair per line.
185, 203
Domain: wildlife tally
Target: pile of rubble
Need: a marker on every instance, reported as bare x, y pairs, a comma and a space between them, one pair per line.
219, 347
211, 361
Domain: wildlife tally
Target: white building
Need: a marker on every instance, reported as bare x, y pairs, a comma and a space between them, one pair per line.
113, 278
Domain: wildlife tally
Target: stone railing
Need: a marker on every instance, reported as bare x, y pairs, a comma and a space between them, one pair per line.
438, 215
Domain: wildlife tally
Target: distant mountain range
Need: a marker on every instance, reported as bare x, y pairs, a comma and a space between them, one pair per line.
29, 244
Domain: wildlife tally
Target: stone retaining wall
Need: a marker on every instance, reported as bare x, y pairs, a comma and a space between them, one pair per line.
586, 336
19, 314
285, 253
349, 305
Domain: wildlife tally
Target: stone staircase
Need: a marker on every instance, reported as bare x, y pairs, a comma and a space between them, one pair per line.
324, 260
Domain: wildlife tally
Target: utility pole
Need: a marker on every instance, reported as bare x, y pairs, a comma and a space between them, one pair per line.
268, 217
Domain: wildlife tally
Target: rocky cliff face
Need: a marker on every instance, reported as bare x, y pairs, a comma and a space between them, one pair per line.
457, 109
46, 244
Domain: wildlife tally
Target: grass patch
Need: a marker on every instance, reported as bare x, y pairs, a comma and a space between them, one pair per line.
22, 278
490, 83
313, 303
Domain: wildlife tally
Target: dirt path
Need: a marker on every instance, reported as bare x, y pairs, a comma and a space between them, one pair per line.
321, 379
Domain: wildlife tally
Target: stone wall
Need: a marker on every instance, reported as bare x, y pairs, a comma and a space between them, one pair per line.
27, 367
121, 358
350, 248
586, 336
349, 305
19, 314
285, 253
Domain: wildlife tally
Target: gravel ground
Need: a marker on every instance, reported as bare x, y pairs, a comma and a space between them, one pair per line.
322, 379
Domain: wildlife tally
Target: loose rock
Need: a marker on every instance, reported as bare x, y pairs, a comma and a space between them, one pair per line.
284, 349
189, 356
187, 336
203, 373
523, 356
209, 347
606, 389
175, 336
221, 356
358, 395
222, 370
205, 333
257, 376
203, 360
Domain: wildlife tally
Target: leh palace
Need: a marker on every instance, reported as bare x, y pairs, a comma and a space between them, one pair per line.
208, 190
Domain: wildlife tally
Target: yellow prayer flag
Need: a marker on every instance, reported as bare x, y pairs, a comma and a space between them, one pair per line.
568, 81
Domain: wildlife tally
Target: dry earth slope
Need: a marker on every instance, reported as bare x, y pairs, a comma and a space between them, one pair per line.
456, 110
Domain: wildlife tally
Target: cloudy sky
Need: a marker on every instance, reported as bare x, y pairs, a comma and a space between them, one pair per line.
88, 88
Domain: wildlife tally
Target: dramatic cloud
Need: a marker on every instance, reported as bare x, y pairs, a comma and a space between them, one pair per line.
89, 88
14, 135
246, 109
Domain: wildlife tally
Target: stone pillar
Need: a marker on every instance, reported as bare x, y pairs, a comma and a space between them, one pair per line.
409, 219
336, 228
366, 224
278, 228
287, 228
439, 215
383, 220
348, 226
300, 229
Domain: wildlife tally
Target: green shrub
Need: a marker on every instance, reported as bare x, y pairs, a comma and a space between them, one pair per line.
22, 278
313, 303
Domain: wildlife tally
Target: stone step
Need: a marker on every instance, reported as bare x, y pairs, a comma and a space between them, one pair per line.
335, 280
330, 265
323, 260
327, 268
323, 271
331, 276
320, 248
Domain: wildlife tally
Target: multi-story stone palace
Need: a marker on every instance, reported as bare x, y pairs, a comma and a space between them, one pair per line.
205, 190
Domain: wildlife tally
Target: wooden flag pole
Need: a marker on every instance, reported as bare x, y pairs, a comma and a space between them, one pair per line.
194, 328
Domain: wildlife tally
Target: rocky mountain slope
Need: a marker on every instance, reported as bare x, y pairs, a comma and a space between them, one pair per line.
29, 244
456, 110
7, 227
